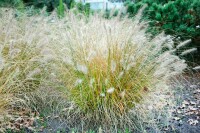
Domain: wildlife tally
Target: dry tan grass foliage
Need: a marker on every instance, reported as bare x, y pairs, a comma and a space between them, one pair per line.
104, 67
110, 66
23, 61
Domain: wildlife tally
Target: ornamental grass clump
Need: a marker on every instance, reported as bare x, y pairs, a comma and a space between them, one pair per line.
110, 66
105, 67
23, 55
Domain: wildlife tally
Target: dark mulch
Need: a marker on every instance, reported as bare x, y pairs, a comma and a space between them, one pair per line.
186, 115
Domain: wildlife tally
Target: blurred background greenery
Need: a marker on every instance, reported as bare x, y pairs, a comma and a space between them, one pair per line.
179, 18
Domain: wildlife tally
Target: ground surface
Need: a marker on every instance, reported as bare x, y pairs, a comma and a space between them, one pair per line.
185, 115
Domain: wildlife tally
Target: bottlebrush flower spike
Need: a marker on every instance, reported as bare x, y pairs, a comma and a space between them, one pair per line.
113, 66
78, 82
122, 94
102, 94
110, 90
82, 68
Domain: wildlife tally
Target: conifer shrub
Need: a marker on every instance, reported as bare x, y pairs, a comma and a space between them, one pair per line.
179, 18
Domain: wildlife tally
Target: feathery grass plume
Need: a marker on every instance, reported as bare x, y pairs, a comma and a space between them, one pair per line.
182, 44
196, 68
188, 51
122, 61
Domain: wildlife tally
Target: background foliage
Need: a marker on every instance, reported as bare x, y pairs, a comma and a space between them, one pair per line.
12, 3
59, 5
50, 4
180, 18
